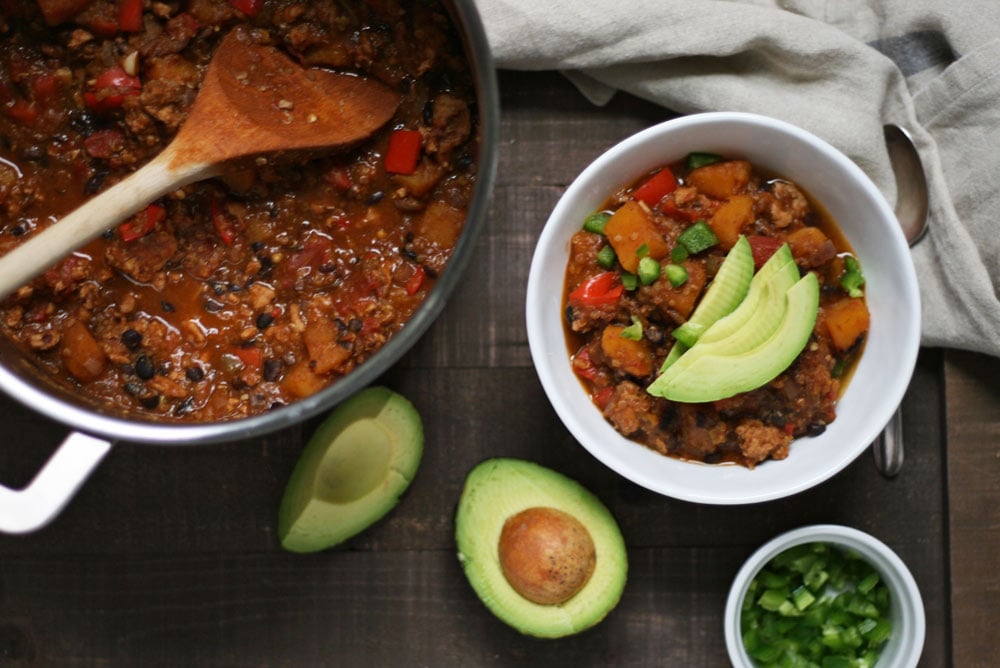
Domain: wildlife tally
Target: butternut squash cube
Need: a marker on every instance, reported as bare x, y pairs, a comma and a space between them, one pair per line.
846, 320
632, 234
730, 218
628, 355
721, 180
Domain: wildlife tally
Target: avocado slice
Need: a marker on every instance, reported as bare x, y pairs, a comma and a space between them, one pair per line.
513, 523
352, 471
741, 362
728, 289
779, 273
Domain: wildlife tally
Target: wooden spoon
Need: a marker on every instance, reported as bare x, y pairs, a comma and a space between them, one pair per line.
253, 100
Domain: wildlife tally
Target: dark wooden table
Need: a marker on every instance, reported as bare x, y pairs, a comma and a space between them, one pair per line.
168, 555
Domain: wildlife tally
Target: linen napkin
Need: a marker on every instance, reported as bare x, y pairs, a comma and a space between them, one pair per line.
838, 68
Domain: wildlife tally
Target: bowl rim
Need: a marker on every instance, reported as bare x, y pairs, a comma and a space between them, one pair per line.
908, 637
540, 292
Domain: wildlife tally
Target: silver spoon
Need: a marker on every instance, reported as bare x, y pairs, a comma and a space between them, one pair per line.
911, 212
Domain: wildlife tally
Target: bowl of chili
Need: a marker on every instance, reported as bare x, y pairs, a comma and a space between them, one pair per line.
856, 406
824, 592
251, 302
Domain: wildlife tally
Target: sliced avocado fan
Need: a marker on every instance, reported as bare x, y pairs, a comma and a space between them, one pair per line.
752, 355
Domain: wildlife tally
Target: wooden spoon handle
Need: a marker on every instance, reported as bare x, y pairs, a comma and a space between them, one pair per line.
89, 221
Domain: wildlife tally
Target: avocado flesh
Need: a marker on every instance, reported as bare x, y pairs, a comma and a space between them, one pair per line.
352, 471
779, 273
498, 489
716, 370
779, 267
728, 289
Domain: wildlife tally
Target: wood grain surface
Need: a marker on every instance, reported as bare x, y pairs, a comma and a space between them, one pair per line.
168, 555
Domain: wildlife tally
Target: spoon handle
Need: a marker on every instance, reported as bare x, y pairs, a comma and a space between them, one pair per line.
888, 447
90, 220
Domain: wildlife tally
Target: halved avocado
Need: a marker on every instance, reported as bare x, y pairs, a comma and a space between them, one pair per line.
740, 363
352, 471
541, 552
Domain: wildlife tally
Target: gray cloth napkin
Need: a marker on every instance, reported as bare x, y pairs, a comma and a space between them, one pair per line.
838, 68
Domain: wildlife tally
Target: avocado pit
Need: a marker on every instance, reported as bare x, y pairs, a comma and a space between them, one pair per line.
546, 555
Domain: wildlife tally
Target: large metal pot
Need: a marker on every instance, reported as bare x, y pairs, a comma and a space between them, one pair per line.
95, 431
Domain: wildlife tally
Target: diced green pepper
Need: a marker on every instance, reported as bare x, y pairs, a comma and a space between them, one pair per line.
700, 159
595, 222
679, 253
630, 281
676, 274
853, 279
606, 257
649, 270
698, 237
633, 331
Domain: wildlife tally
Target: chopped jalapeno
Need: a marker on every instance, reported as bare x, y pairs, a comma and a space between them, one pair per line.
649, 270
816, 604
698, 159
633, 331
606, 257
630, 281
853, 279
676, 274
679, 253
595, 222
698, 237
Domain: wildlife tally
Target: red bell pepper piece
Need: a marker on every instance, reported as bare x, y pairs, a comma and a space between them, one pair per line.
339, 177
44, 88
416, 281
404, 151
130, 15
22, 111
598, 290
110, 89
602, 396
142, 223
583, 365
658, 186
224, 226
763, 248
104, 144
251, 357
248, 7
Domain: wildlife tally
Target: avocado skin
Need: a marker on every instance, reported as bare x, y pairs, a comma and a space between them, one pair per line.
724, 368
352, 472
497, 489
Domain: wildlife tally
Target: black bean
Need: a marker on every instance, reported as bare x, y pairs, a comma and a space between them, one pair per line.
271, 370
133, 388
816, 429
18, 230
375, 197
144, 368
132, 339
150, 402
195, 374
95, 182
264, 320
167, 306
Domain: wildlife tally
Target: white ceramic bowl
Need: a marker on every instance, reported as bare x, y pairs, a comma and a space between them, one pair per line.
906, 607
862, 213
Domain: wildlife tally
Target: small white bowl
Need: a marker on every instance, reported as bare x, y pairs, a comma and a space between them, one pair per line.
906, 607
860, 210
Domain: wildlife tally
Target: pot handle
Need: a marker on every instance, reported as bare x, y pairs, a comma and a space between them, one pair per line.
34, 506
